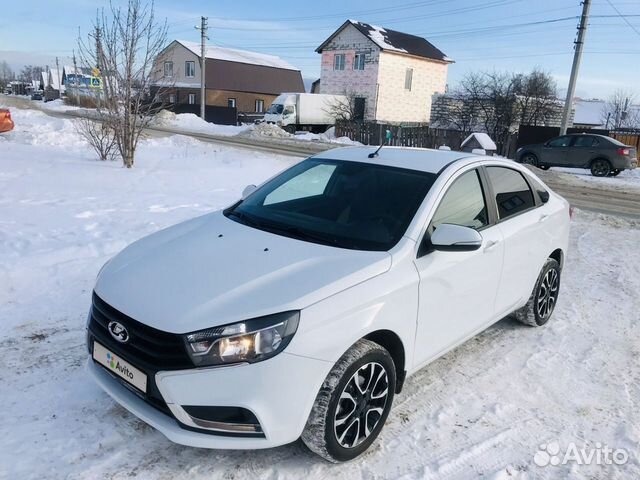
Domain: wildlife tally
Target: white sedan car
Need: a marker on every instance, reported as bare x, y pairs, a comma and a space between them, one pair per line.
300, 310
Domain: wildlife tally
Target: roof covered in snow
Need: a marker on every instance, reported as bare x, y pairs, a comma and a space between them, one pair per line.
238, 56
483, 140
394, 41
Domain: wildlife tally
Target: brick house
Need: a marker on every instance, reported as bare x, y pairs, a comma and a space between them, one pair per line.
246, 80
391, 74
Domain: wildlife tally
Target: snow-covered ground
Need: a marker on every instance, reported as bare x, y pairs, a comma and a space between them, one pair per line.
482, 411
188, 122
626, 178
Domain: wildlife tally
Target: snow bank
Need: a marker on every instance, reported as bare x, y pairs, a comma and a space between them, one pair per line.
193, 123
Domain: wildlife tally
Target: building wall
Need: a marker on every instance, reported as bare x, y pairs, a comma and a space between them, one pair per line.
178, 55
361, 83
397, 104
245, 101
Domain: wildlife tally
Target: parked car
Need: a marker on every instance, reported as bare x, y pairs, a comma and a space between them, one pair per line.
6, 123
301, 309
604, 156
36, 96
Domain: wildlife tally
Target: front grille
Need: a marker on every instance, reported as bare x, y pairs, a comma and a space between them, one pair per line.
148, 349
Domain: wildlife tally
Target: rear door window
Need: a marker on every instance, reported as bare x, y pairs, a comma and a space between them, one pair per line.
512, 192
585, 141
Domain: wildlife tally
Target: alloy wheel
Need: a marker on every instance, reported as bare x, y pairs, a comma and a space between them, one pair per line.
600, 168
547, 294
361, 405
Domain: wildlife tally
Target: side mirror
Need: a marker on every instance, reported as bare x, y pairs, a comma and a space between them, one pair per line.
455, 238
544, 195
248, 190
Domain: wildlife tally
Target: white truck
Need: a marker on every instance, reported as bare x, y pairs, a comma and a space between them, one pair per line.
305, 111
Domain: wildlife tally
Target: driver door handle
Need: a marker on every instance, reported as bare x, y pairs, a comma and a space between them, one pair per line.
490, 245
543, 217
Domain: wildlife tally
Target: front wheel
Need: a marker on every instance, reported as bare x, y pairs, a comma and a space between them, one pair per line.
600, 167
353, 403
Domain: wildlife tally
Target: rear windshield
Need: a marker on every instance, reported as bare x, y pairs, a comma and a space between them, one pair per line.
360, 206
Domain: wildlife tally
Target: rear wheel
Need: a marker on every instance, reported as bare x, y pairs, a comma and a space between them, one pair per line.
529, 159
600, 167
353, 403
614, 172
543, 299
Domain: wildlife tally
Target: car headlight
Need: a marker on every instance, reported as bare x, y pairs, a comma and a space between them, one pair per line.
249, 341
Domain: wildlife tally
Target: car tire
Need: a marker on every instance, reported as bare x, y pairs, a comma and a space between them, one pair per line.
600, 167
614, 173
529, 159
544, 297
334, 430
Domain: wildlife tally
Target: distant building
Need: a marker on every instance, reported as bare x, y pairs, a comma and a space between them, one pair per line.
246, 80
392, 75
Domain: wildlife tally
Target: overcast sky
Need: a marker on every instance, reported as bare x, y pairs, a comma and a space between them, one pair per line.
507, 35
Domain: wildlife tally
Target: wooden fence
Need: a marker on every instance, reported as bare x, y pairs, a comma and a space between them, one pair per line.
370, 133
628, 138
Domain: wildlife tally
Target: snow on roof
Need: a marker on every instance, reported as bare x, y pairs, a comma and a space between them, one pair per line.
55, 77
379, 36
588, 112
394, 41
483, 140
239, 56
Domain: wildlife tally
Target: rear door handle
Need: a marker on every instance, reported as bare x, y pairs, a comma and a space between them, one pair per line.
543, 217
490, 245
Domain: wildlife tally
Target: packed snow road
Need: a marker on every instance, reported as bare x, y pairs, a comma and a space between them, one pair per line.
484, 410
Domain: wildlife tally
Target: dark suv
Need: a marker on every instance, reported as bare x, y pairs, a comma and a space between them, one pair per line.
604, 156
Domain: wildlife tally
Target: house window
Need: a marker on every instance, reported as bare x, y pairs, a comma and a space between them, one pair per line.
259, 106
338, 61
192, 99
168, 69
231, 102
358, 61
172, 98
190, 69
408, 79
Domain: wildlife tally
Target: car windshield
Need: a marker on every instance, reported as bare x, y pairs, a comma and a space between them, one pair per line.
275, 108
360, 206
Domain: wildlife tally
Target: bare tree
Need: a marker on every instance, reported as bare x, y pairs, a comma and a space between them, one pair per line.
123, 46
30, 73
619, 111
100, 135
536, 97
342, 109
6, 74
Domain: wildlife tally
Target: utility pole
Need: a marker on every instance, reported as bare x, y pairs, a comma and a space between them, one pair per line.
203, 51
577, 57
75, 79
59, 79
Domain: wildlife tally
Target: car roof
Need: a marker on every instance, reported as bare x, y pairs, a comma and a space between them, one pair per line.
421, 159
581, 134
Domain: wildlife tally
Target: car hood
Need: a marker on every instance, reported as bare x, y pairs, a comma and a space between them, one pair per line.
211, 271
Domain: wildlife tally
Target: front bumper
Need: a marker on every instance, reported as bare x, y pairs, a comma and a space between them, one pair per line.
280, 392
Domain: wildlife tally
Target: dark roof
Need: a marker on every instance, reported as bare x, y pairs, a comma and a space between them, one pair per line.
393, 41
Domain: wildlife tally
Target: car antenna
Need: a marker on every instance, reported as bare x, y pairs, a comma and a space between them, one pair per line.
387, 140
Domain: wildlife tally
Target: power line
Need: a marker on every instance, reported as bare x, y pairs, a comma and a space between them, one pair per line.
624, 17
